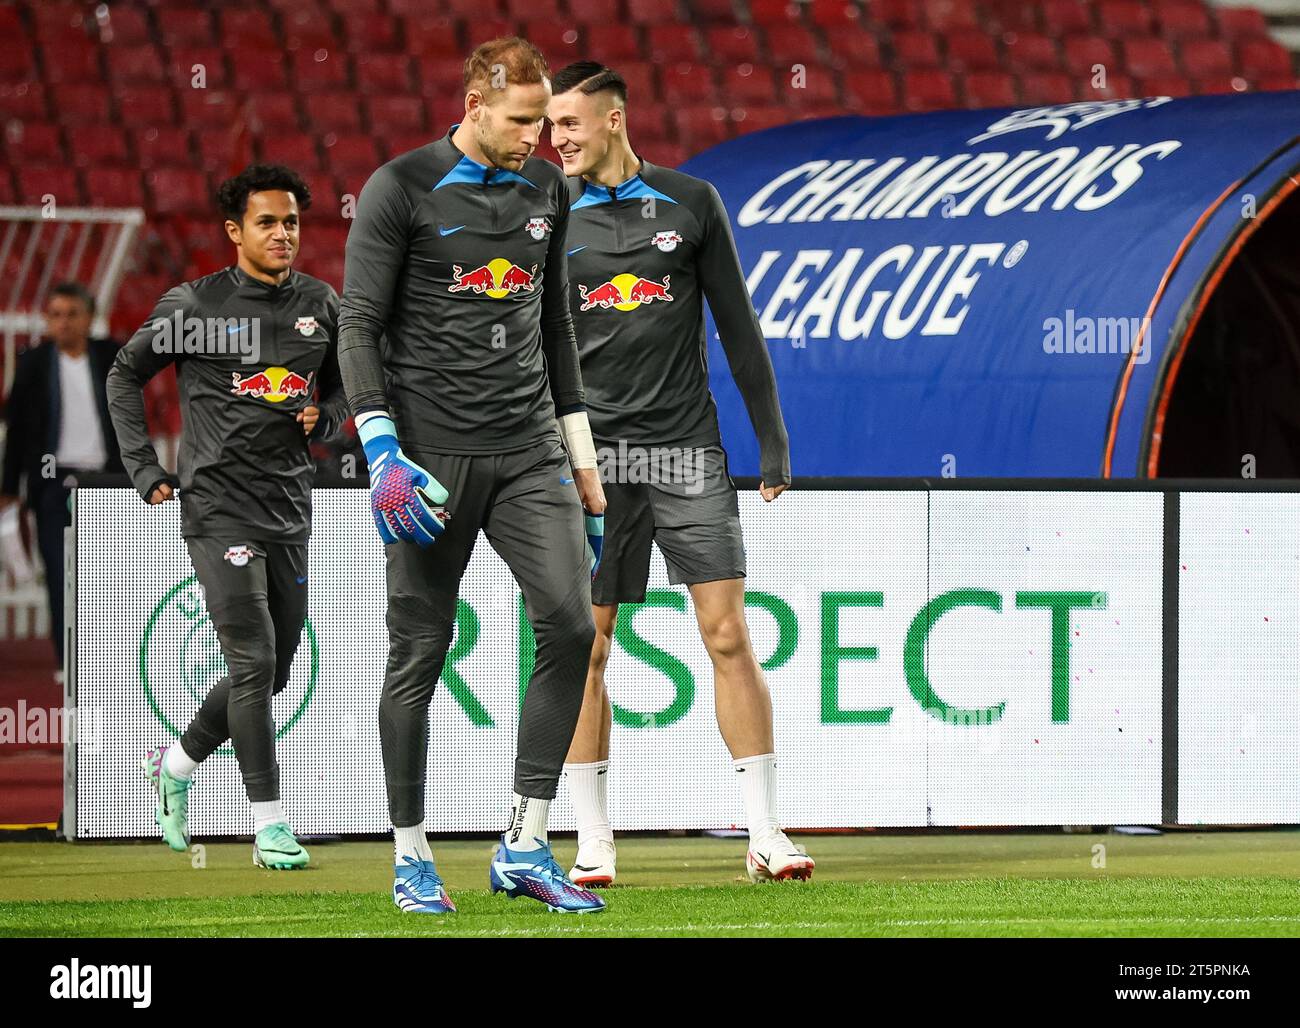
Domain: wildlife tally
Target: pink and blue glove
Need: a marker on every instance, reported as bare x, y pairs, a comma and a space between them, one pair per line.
406, 501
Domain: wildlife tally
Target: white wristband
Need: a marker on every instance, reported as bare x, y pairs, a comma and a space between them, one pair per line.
576, 430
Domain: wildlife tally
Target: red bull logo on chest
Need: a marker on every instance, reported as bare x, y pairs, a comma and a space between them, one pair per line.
275, 385
497, 278
624, 293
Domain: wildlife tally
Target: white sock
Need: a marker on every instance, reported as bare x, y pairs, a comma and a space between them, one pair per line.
411, 842
527, 822
587, 788
267, 813
758, 787
178, 763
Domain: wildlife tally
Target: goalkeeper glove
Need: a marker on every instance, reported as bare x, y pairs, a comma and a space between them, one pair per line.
595, 539
406, 501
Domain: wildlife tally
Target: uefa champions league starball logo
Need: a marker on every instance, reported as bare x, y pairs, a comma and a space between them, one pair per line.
180, 662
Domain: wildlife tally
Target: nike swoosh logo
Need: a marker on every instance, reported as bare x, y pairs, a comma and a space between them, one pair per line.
284, 853
762, 857
235, 329
444, 231
303, 579
581, 868
565, 481
576, 249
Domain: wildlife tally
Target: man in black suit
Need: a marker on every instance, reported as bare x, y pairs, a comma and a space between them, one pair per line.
58, 424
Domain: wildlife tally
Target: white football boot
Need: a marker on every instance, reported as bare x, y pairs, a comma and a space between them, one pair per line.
593, 867
774, 858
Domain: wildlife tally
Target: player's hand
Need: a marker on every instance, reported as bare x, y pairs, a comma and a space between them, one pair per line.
161, 494
406, 501
771, 492
590, 491
308, 417
595, 525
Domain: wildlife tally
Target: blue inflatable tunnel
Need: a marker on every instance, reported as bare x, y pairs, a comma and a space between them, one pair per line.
1091, 289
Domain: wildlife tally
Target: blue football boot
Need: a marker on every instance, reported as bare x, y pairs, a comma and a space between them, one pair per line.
534, 873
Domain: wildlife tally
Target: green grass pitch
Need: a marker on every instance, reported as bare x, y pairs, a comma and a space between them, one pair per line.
1236, 883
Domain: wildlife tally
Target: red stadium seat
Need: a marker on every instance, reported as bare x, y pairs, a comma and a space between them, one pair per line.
1066, 17
72, 64
1003, 16
1182, 19
972, 51
774, 12
56, 22
240, 27
1205, 58
187, 62
1029, 51
315, 70
260, 70
219, 151
370, 33
1240, 22
748, 84
1165, 85
896, 13
872, 91
596, 12
704, 11
1263, 57
651, 123
7, 193
1117, 87
98, 146
81, 104
338, 111
755, 119
793, 45
24, 100
403, 142
182, 26
558, 40
989, 89
1147, 58
178, 191
33, 142
480, 30
649, 12
273, 112
613, 43
16, 63
699, 127
735, 43
640, 79
1084, 53
835, 15
35, 182
146, 105
209, 108
672, 43
308, 30
815, 88
433, 38
1276, 82
916, 48
139, 64
296, 149
351, 154
928, 89
854, 48
385, 74
389, 114
114, 187
948, 15
1046, 87
666, 155
125, 26
161, 146
1124, 19
686, 83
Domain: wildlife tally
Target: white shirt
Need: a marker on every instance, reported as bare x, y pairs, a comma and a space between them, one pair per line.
81, 438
